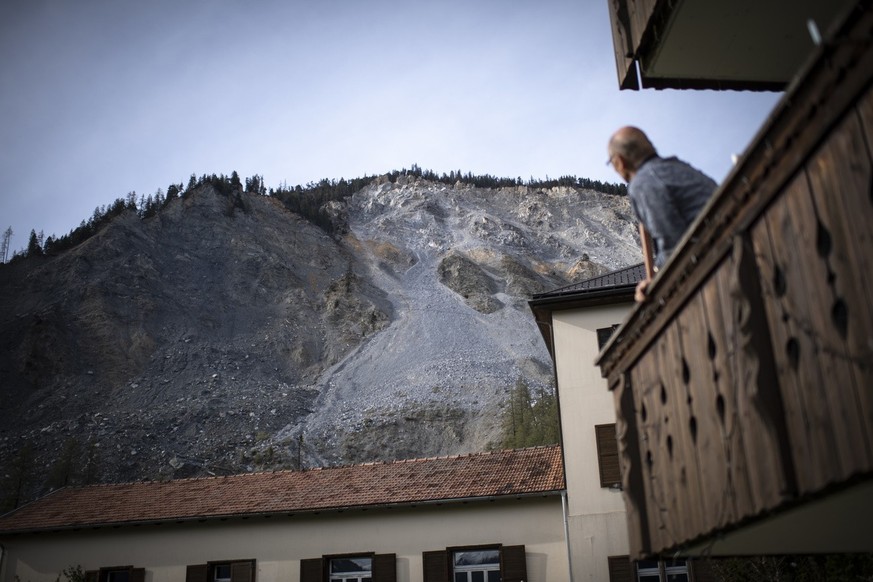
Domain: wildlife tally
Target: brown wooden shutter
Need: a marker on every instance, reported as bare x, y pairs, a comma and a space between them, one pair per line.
196, 573
385, 568
621, 569
92, 575
242, 571
137, 575
701, 571
436, 566
311, 570
513, 564
607, 455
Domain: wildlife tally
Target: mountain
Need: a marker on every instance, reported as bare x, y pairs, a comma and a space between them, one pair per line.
226, 333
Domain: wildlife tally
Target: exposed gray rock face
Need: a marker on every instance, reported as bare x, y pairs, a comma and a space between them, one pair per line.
227, 334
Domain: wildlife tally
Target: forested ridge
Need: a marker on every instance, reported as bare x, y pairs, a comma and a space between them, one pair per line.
307, 201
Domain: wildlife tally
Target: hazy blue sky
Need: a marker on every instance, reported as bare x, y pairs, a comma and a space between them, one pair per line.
102, 97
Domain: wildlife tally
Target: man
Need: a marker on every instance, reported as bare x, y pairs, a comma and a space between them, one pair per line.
666, 193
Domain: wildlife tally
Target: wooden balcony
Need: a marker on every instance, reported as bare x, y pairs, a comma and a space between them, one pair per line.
744, 386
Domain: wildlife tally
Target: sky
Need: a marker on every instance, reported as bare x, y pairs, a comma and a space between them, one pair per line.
99, 98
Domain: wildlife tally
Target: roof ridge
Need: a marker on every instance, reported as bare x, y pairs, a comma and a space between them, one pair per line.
252, 474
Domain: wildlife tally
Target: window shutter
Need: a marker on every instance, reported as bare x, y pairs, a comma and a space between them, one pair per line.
621, 569
436, 566
385, 568
92, 575
311, 570
137, 575
701, 571
242, 571
513, 564
196, 573
607, 455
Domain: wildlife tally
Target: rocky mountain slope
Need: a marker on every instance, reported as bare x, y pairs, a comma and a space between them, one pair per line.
227, 334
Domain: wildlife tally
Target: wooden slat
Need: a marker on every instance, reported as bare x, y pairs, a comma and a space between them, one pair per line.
792, 290
759, 402
705, 435
627, 428
840, 178
644, 378
657, 477
722, 412
676, 355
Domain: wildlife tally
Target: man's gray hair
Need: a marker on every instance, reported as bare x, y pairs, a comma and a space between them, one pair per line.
632, 144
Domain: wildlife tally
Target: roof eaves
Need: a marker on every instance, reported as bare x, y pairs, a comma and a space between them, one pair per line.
288, 513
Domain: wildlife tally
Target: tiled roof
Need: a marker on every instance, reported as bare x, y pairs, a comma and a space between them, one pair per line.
623, 278
519, 472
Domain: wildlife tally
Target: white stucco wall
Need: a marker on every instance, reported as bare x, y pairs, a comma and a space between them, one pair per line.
597, 519
279, 543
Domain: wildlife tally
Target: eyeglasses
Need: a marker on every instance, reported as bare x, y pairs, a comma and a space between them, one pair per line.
609, 161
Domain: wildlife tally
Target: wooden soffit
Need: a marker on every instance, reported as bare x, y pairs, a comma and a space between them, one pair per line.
706, 44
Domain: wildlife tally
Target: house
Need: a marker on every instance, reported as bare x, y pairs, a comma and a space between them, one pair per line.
487, 516
576, 321
742, 388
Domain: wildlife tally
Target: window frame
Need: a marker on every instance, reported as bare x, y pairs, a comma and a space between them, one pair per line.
438, 565
604, 334
472, 568
206, 572
383, 566
103, 574
328, 561
623, 569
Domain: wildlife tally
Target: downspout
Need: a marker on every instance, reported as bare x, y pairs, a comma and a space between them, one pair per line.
565, 511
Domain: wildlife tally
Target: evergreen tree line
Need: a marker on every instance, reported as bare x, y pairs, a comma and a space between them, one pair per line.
530, 420
75, 465
488, 181
307, 201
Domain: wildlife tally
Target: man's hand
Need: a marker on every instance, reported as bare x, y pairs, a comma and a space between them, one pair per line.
640, 293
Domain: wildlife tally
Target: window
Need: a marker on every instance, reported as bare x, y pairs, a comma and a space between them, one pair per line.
604, 333
494, 563
116, 574
607, 455
662, 571
352, 569
476, 565
621, 569
222, 571
362, 567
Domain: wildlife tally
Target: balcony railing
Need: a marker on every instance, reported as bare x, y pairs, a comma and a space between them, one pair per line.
744, 385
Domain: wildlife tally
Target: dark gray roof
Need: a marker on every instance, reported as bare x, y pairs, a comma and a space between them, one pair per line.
623, 278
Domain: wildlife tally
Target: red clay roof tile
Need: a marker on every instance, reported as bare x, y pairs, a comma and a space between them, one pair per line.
504, 473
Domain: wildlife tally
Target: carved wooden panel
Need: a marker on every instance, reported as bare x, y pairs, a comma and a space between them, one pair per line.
812, 258
840, 183
721, 353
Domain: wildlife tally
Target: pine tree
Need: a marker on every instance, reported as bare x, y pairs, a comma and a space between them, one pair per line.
34, 249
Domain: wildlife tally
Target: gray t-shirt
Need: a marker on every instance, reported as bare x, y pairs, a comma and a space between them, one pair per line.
666, 195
